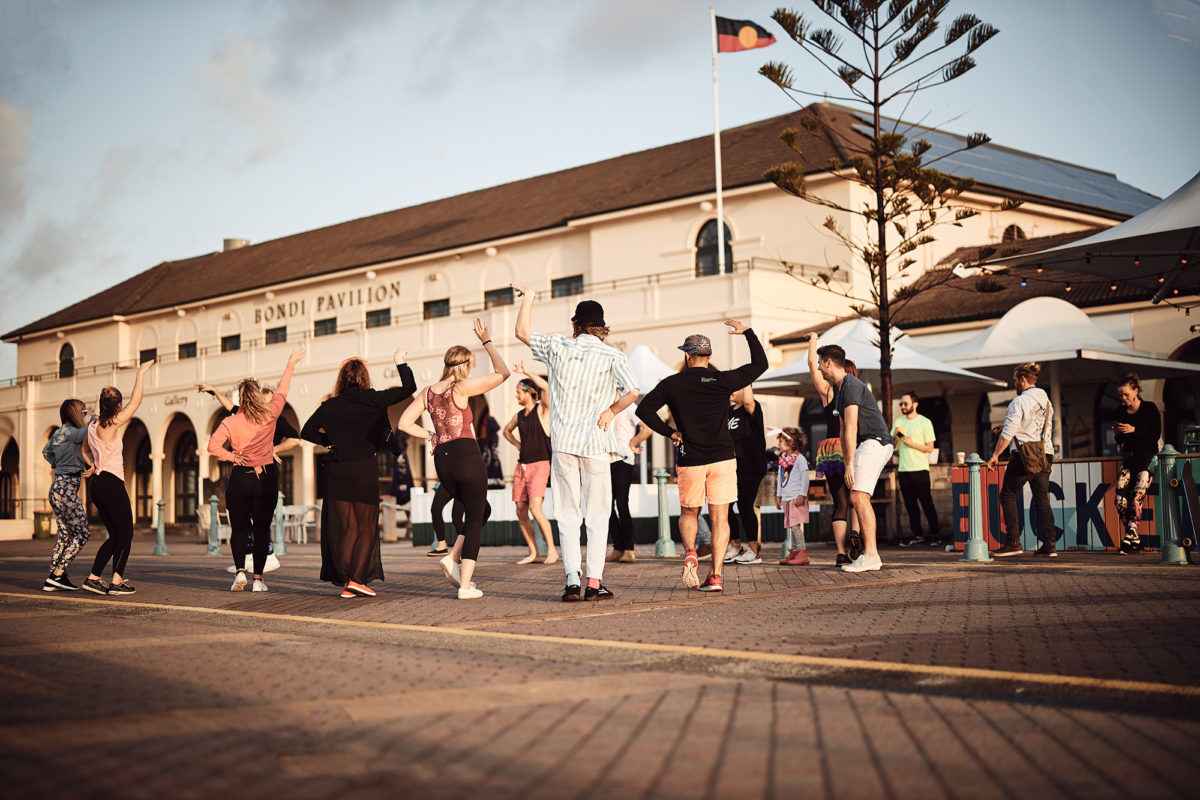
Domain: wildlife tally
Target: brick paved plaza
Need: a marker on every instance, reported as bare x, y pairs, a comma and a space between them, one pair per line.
932, 678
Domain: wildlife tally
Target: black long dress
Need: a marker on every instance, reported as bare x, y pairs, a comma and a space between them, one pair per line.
354, 426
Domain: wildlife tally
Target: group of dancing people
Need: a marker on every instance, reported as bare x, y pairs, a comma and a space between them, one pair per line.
576, 426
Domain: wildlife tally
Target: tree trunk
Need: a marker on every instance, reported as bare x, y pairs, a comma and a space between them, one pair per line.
885, 322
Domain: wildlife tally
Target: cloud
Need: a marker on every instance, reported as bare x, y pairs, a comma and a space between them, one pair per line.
33, 55
47, 249
314, 38
16, 145
624, 34
231, 81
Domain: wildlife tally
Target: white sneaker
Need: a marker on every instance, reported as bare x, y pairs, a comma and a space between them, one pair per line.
259, 586
239, 582
748, 556
863, 563
272, 563
731, 553
470, 593
452, 571
247, 564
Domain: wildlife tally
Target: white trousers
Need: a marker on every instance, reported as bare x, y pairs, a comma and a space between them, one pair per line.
582, 494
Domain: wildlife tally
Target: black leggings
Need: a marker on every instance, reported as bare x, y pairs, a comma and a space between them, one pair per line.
458, 513
250, 500
747, 499
460, 468
836, 485
620, 523
107, 491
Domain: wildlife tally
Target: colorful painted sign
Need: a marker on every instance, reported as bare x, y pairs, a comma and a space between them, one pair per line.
1081, 497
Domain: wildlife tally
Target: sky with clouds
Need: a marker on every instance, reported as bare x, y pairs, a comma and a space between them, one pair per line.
138, 131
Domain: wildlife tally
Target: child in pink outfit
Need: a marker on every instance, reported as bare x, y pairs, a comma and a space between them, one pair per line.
792, 493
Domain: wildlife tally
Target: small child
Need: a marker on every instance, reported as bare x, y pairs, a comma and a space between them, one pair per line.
792, 494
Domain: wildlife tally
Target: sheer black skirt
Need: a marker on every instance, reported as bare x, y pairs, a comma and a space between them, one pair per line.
350, 523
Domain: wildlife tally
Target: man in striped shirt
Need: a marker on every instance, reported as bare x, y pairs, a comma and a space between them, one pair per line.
586, 376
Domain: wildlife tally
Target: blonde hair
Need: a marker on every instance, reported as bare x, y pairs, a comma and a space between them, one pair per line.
456, 364
251, 403
1028, 370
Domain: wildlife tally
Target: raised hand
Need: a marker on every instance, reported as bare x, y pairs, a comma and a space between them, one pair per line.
400, 355
145, 366
519, 291
296, 356
204, 388
481, 330
736, 327
520, 367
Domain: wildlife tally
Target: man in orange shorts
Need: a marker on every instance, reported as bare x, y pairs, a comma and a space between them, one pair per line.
698, 398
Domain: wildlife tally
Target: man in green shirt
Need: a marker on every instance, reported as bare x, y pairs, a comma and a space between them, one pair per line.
913, 435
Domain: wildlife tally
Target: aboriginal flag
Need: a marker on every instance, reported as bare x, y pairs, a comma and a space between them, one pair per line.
741, 34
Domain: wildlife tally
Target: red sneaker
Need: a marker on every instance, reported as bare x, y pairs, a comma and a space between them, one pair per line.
359, 589
711, 584
690, 568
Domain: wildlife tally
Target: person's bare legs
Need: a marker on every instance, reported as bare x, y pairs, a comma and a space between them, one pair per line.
456, 551
466, 569
527, 531
861, 501
720, 534
539, 516
689, 526
839, 536
756, 545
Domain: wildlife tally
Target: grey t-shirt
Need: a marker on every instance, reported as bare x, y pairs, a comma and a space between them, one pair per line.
854, 392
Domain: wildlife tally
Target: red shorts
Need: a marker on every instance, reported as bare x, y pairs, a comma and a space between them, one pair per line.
529, 481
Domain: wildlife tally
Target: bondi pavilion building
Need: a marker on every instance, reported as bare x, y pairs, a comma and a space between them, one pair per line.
637, 233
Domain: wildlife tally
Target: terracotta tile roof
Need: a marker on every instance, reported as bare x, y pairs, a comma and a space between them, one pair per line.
942, 298
534, 204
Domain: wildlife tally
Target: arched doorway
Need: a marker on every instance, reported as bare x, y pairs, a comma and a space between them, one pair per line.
1107, 403
812, 422
185, 464
10, 479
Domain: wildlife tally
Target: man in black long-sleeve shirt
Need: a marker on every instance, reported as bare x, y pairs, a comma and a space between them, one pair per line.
698, 398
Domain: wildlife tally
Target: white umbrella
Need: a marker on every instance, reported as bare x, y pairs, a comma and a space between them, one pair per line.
1143, 248
910, 367
647, 369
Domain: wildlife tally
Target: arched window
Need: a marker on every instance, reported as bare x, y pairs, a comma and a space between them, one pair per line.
66, 361
1107, 403
707, 248
937, 410
143, 478
1012, 234
186, 464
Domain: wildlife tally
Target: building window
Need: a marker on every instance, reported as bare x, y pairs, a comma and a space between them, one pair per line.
1012, 233
812, 422
707, 247
380, 318
566, 287
437, 308
10, 473
186, 467
276, 335
187, 350
325, 327
143, 474
231, 343
66, 361
287, 469
149, 354
1179, 411
498, 297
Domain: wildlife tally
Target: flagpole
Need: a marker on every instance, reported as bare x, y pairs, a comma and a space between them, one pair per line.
717, 149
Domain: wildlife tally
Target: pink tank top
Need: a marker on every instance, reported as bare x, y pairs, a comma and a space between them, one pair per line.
109, 456
449, 421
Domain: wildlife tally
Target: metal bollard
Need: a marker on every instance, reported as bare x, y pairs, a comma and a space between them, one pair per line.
1166, 510
160, 542
976, 548
280, 539
214, 541
664, 547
